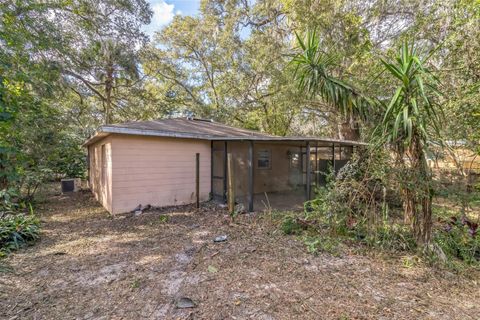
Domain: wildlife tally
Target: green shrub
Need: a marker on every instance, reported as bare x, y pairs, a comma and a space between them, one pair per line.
457, 243
290, 225
17, 231
391, 237
8, 201
319, 243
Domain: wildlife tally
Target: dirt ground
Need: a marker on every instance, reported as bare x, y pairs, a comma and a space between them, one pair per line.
89, 265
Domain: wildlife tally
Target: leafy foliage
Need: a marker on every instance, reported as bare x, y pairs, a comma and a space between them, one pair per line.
313, 73
459, 240
411, 111
408, 117
8, 203
291, 226
17, 231
316, 244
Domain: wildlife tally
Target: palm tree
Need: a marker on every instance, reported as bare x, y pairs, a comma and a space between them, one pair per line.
314, 69
410, 119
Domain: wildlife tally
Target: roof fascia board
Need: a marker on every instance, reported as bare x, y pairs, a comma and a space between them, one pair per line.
158, 133
106, 130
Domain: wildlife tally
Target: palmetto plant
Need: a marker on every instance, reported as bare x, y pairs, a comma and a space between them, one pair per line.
411, 119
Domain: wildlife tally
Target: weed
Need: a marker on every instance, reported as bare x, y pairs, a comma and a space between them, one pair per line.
409, 262
135, 284
290, 225
316, 244
391, 237
163, 219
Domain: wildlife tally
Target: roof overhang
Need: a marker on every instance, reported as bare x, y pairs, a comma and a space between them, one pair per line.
104, 131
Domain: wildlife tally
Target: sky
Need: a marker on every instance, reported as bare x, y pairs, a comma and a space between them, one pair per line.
165, 10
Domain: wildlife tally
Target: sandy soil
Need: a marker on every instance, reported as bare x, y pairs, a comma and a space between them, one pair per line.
89, 265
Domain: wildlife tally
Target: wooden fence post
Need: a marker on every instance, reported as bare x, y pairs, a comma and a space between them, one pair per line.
197, 179
231, 185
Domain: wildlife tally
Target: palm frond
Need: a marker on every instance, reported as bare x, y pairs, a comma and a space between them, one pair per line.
411, 110
313, 74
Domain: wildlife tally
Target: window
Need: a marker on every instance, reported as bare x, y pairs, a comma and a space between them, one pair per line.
264, 159
294, 159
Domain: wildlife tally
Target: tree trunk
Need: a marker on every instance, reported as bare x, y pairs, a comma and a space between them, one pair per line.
3, 179
418, 195
108, 93
348, 130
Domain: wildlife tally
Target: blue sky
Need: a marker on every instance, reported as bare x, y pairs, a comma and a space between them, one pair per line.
165, 10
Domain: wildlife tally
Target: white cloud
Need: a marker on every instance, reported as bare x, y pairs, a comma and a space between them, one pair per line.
163, 14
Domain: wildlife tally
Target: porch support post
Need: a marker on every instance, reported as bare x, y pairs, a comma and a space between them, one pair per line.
88, 167
197, 180
225, 145
316, 164
250, 176
333, 158
211, 170
307, 189
301, 165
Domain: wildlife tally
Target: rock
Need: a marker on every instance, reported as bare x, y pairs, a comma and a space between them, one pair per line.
184, 303
438, 252
212, 269
138, 212
221, 238
240, 208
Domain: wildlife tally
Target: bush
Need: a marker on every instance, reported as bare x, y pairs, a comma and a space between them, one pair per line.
68, 158
361, 204
291, 226
17, 231
31, 181
8, 201
392, 237
326, 244
459, 241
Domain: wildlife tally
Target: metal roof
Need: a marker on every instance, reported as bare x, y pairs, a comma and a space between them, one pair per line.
192, 128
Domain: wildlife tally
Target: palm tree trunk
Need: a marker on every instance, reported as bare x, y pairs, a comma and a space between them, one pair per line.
418, 201
426, 197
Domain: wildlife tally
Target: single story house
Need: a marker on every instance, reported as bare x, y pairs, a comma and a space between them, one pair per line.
155, 162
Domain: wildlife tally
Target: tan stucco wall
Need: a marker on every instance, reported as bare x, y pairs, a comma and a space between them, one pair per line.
157, 171
161, 171
100, 176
